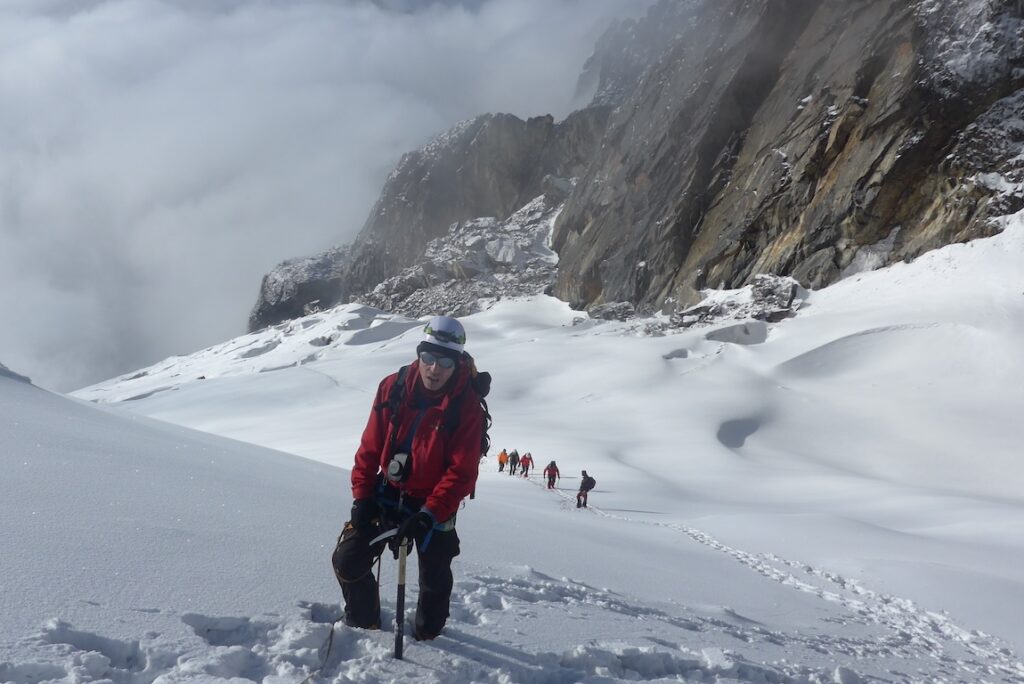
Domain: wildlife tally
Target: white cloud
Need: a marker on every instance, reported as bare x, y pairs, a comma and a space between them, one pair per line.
157, 157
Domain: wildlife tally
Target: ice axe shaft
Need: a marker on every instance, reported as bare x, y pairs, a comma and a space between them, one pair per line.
400, 604
403, 551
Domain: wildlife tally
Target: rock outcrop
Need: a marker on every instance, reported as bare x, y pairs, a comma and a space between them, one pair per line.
786, 136
479, 261
298, 287
490, 166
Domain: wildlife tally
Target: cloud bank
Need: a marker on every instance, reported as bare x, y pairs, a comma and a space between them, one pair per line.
157, 157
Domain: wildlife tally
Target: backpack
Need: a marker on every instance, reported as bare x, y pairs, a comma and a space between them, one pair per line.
588, 483
479, 381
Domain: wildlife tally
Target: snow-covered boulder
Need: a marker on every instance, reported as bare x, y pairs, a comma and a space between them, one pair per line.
769, 298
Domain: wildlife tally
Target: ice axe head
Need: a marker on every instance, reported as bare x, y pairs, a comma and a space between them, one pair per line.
394, 542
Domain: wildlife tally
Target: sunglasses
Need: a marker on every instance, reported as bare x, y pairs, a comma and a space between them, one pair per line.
445, 336
429, 359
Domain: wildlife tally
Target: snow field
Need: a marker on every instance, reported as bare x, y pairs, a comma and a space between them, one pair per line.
835, 501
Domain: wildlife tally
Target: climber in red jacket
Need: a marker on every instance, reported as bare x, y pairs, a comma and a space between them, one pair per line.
410, 471
551, 472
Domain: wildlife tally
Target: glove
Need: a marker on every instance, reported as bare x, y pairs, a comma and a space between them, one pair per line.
418, 527
364, 512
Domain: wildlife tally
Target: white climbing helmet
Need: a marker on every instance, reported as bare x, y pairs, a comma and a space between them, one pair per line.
445, 331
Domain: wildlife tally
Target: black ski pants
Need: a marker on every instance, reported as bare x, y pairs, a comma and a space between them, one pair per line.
353, 561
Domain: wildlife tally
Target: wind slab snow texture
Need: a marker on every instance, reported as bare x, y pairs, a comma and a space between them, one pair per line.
839, 503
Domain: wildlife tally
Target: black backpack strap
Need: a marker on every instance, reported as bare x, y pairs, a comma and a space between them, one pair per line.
453, 412
481, 384
395, 398
485, 442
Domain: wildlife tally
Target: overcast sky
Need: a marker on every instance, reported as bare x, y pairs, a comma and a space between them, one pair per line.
157, 157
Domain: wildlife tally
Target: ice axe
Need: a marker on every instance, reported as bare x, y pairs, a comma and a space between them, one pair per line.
400, 601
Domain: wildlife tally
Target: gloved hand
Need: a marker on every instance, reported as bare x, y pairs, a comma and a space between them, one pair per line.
418, 527
364, 512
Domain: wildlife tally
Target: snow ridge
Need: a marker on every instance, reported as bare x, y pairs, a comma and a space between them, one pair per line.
6, 372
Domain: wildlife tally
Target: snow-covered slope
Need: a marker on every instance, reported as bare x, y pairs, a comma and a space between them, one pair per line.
837, 501
133, 538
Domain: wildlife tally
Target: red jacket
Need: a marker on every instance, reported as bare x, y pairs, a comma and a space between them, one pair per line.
444, 466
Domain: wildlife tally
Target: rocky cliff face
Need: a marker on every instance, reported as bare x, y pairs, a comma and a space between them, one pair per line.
794, 137
629, 47
488, 167
727, 139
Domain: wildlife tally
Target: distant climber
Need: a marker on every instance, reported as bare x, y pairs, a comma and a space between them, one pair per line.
551, 472
586, 484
